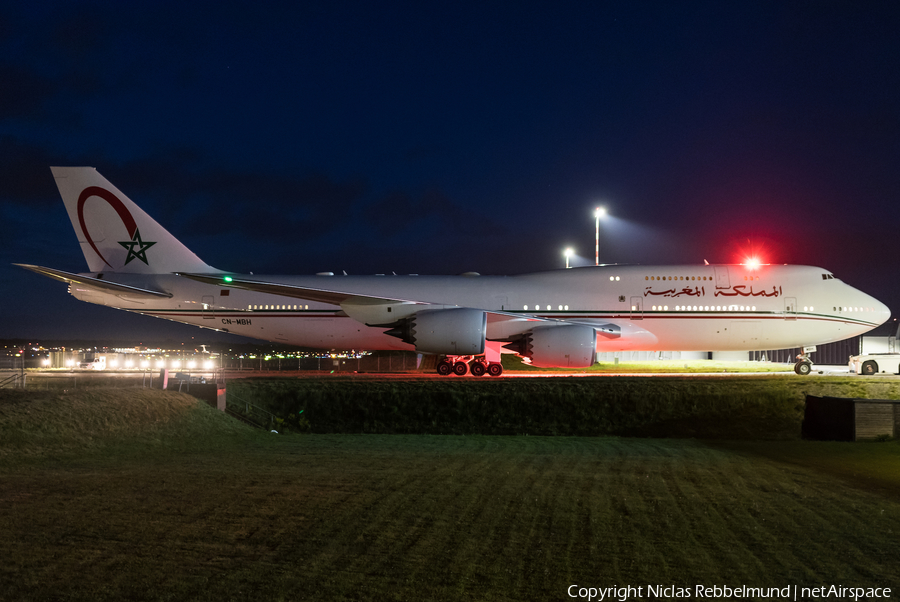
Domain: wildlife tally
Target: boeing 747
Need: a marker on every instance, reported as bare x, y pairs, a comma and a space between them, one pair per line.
561, 318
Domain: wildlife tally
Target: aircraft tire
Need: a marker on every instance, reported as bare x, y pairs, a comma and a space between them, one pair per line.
460, 368
869, 368
495, 369
444, 368
803, 368
477, 368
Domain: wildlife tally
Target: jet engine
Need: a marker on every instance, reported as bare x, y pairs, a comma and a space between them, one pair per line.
561, 346
457, 331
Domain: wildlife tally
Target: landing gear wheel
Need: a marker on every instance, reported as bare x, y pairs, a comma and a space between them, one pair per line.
495, 369
478, 368
460, 368
444, 368
803, 368
869, 368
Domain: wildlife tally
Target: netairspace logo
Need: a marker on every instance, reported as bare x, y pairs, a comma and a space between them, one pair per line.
665, 592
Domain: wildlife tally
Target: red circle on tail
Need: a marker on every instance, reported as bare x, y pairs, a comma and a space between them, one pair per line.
115, 203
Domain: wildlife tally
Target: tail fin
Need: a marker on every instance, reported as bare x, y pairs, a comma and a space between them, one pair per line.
115, 234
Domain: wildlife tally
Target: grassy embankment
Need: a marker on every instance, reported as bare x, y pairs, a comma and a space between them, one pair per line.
153, 496
47, 423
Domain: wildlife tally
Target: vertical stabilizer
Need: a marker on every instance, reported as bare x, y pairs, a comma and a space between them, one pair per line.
115, 234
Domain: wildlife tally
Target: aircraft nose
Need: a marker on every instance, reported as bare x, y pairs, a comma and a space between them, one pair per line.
872, 311
882, 312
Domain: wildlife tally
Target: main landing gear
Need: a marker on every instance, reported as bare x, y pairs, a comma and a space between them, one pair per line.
462, 365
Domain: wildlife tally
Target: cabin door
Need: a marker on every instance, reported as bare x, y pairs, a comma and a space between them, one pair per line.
722, 276
637, 308
208, 313
790, 308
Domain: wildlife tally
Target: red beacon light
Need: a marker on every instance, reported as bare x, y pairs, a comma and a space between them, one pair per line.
752, 263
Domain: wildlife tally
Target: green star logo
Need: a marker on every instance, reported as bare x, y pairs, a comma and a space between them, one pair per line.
137, 248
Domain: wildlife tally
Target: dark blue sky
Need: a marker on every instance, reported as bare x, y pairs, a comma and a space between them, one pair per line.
432, 137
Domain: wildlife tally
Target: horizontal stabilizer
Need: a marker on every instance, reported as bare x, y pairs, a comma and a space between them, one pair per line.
69, 278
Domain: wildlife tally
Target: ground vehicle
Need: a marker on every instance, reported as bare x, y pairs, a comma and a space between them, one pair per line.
875, 363
98, 363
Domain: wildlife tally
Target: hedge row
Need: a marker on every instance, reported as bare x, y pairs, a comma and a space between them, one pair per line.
666, 407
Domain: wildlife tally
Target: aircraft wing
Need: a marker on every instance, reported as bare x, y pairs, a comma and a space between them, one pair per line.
113, 287
353, 303
289, 290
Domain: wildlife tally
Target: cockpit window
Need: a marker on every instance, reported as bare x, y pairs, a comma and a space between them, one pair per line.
827, 276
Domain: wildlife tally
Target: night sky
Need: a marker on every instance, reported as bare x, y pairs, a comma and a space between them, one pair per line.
438, 138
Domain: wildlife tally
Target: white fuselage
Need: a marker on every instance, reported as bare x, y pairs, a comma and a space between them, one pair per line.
684, 308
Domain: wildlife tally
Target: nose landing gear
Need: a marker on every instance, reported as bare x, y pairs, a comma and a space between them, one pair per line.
804, 364
803, 367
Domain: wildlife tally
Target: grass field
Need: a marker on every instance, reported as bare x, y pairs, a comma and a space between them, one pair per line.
114, 495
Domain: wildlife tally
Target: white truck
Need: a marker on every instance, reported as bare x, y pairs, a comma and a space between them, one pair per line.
99, 363
875, 363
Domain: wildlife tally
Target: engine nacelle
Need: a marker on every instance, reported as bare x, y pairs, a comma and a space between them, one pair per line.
458, 331
562, 346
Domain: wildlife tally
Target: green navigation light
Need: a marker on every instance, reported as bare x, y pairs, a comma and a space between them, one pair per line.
228, 278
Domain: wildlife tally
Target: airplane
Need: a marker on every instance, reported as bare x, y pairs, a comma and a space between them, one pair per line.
560, 318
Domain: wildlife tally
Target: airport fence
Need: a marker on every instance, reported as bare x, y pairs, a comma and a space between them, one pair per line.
396, 361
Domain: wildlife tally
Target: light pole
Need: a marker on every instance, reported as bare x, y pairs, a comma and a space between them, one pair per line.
568, 253
598, 213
